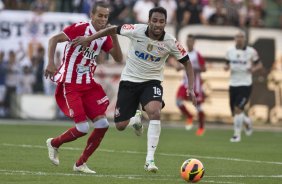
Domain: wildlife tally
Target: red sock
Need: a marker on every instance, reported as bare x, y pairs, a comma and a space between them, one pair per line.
185, 111
201, 116
93, 142
68, 136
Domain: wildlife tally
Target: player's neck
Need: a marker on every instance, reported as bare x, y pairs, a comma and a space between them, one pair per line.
153, 37
242, 47
95, 26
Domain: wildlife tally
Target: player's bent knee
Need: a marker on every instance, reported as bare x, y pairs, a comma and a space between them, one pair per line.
82, 127
156, 114
101, 123
179, 102
120, 126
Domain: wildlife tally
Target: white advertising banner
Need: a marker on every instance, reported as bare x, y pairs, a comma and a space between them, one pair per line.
26, 27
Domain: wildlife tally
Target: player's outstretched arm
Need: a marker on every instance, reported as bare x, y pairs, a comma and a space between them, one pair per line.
84, 41
190, 74
53, 41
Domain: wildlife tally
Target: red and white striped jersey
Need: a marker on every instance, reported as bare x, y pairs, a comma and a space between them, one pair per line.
78, 66
197, 62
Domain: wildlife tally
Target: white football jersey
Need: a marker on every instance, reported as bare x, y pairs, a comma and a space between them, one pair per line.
240, 61
146, 57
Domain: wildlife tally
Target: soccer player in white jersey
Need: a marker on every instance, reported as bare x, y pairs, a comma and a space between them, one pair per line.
77, 93
199, 66
243, 61
143, 73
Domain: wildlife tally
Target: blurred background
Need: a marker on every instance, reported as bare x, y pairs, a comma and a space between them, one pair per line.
26, 26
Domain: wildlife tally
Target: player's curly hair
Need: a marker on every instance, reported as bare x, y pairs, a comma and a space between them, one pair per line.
159, 10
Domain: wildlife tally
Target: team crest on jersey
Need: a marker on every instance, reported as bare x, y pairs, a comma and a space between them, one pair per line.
150, 47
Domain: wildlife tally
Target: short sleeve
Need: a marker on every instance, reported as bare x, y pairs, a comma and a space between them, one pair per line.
201, 60
178, 50
75, 30
255, 56
108, 44
127, 30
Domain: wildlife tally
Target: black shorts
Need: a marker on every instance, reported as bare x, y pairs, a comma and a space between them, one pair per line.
239, 96
131, 94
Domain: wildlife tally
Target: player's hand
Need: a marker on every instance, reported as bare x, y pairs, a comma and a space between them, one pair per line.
81, 40
192, 95
50, 71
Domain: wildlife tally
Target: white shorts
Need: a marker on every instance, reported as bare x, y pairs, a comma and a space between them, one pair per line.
2, 93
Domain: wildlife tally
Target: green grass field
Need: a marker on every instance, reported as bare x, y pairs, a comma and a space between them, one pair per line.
120, 158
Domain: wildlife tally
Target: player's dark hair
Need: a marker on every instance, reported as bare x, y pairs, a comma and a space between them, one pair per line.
99, 4
191, 36
159, 10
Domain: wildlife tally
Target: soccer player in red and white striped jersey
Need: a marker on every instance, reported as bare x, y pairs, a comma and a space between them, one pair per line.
77, 93
198, 64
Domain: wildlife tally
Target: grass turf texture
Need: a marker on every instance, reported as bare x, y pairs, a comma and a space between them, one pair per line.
121, 156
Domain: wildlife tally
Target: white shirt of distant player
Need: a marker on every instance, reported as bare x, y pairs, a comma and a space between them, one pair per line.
240, 62
146, 57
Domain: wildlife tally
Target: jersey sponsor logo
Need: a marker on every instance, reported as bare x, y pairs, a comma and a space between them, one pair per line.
147, 57
180, 48
81, 69
88, 54
239, 62
127, 26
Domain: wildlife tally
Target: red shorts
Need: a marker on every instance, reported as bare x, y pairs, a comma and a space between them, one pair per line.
81, 101
182, 94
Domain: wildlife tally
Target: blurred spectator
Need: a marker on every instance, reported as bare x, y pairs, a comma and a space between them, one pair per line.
66, 6
3, 71
26, 81
170, 6
1, 5
12, 77
209, 9
40, 6
38, 67
194, 13
253, 14
273, 13
219, 17
141, 10
234, 12
119, 12
182, 6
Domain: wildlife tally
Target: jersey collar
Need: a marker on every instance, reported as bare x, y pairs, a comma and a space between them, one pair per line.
147, 34
244, 48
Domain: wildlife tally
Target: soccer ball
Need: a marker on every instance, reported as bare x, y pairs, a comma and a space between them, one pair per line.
192, 170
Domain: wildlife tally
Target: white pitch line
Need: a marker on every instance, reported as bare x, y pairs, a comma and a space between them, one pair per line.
162, 154
131, 177
245, 176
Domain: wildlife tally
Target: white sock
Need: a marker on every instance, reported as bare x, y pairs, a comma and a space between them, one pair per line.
247, 120
238, 121
154, 131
